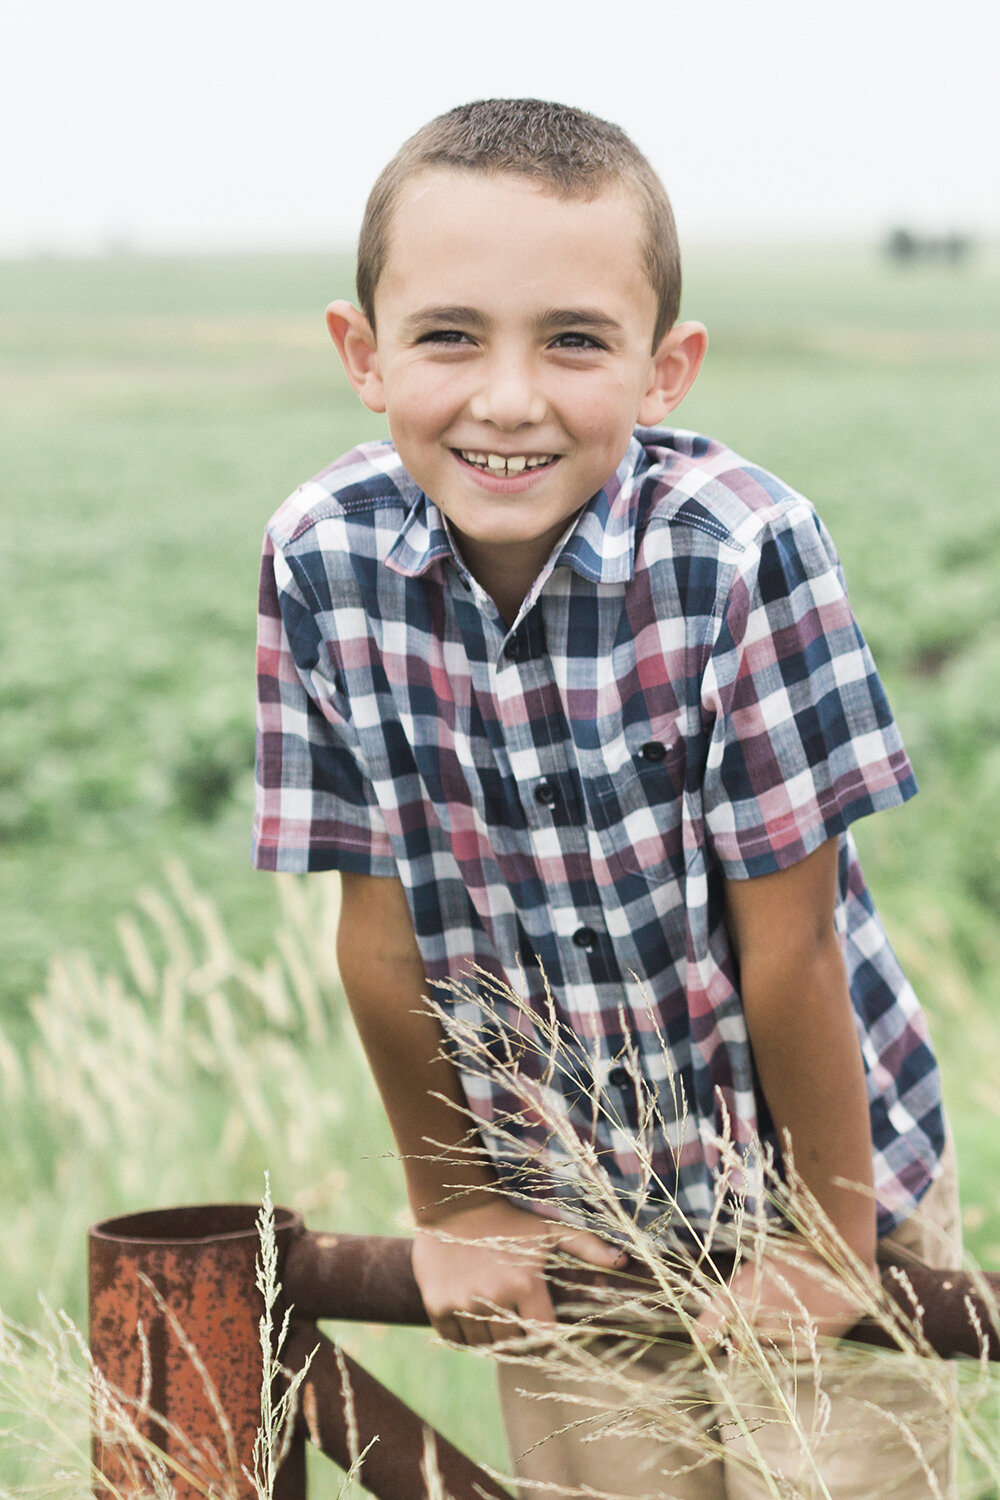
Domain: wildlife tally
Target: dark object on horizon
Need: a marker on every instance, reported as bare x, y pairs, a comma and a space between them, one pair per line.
904, 248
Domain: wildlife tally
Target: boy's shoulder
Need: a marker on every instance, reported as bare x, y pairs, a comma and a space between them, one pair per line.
364, 483
691, 481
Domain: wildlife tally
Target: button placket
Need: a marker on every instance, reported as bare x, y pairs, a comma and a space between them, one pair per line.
517, 648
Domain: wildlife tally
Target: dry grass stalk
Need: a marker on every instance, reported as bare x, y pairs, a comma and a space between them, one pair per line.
429, 1472
56, 1396
697, 1401
355, 1473
53, 1397
277, 1416
193, 1044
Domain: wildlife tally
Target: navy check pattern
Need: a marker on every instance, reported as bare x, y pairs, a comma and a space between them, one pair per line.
684, 698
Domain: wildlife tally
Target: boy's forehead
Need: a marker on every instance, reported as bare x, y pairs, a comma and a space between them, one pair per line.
448, 217
433, 191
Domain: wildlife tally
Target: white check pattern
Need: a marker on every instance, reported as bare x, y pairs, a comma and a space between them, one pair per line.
685, 697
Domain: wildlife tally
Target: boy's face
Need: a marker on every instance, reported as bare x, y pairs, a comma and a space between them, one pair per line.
513, 355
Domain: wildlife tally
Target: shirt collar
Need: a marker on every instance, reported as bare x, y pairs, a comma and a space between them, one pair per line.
423, 538
601, 545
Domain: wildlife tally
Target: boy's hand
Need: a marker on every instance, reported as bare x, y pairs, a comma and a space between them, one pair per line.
783, 1302
481, 1270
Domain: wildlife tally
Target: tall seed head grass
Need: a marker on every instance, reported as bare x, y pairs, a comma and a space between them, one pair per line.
697, 1404
194, 1069
179, 1080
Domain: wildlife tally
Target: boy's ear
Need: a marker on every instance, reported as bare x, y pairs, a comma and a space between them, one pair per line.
676, 361
355, 340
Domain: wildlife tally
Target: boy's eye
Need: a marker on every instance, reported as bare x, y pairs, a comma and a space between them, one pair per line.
444, 336
577, 341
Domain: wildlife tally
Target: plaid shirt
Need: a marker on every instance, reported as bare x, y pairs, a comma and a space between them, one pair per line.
684, 698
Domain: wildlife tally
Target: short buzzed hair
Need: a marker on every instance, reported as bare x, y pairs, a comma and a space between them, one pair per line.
573, 153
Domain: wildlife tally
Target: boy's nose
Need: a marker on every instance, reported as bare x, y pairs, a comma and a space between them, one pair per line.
508, 396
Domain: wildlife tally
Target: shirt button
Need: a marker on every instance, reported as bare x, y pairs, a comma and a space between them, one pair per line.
546, 794
516, 648
620, 1078
585, 938
653, 751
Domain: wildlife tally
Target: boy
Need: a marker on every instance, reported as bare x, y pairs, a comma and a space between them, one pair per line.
582, 703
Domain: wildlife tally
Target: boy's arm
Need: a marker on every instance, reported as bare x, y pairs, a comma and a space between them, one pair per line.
463, 1276
800, 1020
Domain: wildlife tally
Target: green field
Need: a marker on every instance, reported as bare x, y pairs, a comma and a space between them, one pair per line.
154, 413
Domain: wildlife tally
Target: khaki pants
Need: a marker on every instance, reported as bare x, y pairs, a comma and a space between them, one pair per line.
869, 1427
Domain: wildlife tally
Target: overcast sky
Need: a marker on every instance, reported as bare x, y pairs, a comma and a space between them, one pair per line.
219, 124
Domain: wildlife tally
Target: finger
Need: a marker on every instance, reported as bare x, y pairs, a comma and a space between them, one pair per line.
476, 1329
448, 1328
583, 1245
713, 1323
534, 1302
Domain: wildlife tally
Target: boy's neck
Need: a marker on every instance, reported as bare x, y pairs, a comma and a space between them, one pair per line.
508, 594
508, 579
508, 572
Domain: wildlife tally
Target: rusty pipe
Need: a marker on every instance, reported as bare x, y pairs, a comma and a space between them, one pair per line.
370, 1277
174, 1328
363, 1278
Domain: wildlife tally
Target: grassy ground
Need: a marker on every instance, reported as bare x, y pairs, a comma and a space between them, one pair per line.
156, 412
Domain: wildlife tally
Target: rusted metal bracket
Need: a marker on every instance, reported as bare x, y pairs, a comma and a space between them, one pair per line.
174, 1313
174, 1325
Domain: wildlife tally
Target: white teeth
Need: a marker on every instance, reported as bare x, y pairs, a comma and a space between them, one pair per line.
497, 463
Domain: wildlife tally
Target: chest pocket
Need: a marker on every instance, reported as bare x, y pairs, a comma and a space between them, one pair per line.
635, 793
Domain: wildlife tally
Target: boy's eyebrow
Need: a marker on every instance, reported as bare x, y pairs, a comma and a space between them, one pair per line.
470, 317
443, 317
579, 317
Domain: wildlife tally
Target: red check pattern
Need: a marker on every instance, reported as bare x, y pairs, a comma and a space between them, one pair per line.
684, 698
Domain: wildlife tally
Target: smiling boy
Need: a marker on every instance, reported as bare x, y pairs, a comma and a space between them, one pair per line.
513, 329
582, 702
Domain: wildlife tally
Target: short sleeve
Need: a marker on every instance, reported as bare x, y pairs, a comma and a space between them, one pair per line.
315, 808
802, 740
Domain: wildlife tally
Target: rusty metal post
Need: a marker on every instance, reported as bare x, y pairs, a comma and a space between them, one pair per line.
185, 1278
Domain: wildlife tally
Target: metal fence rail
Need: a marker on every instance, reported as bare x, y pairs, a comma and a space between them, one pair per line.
174, 1325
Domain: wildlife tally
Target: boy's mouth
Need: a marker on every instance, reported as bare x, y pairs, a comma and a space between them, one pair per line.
503, 465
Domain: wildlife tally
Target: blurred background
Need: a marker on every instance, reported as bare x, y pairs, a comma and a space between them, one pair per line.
179, 192
239, 124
